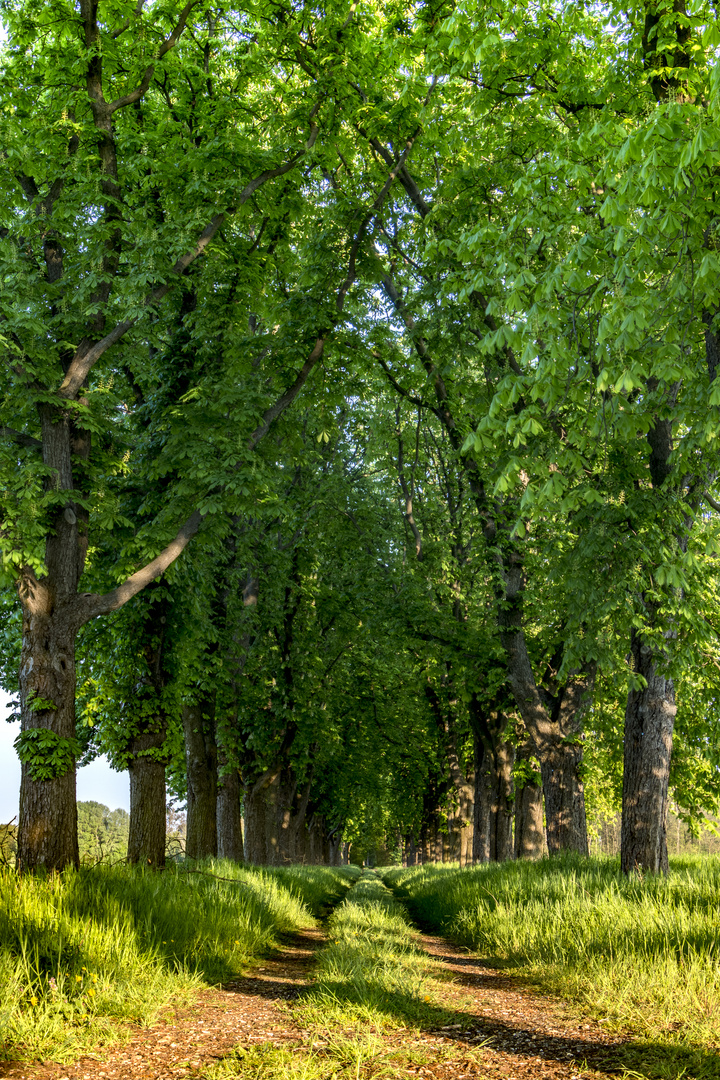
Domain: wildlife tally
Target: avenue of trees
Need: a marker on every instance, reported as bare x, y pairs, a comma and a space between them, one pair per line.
359, 457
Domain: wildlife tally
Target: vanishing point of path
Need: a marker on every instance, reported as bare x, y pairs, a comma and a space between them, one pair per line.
499, 1029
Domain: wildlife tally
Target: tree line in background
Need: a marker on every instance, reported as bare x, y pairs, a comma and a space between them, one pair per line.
359, 424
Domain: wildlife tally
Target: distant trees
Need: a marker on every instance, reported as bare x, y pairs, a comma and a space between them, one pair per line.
102, 833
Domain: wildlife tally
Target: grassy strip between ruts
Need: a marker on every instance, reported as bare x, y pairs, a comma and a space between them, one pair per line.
642, 954
372, 982
85, 950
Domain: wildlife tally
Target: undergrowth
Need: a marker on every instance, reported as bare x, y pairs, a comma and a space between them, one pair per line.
640, 954
85, 950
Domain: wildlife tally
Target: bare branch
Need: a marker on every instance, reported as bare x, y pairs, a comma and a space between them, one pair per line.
91, 605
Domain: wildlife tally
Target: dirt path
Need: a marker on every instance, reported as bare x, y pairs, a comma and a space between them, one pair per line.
188, 1039
522, 1034
499, 1029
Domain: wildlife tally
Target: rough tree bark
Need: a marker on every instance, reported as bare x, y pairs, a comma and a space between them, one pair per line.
649, 723
229, 812
553, 718
202, 788
146, 840
146, 749
529, 831
493, 796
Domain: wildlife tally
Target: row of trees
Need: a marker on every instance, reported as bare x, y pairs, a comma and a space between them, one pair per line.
359, 431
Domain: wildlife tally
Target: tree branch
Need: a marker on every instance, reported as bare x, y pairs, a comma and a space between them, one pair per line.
271, 414
168, 43
83, 361
20, 438
92, 604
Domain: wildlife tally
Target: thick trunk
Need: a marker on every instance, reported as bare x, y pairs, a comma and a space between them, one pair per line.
47, 829
493, 806
564, 797
649, 724
493, 758
146, 842
529, 833
553, 715
201, 764
255, 850
229, 817
47, 833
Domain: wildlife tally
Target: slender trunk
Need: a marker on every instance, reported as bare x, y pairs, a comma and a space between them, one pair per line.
201, 764
481, 802
146, 842
649, 724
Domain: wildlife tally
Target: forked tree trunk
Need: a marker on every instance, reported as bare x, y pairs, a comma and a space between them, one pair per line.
649, 723
554, 721
201, 764
146, 840
229, 817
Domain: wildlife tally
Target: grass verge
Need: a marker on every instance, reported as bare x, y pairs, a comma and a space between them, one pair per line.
640, 954
84, 951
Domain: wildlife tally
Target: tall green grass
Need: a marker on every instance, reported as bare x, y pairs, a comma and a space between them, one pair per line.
637, 953
84, 950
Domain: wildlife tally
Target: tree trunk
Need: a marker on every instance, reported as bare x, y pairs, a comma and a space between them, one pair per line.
229, 818
564, 797
146, 842
493, 758
649, 724
256, 850
47, 832
201, 763
501, 814
529, 833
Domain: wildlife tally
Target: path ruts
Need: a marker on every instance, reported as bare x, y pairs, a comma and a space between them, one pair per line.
498, 1029
522, 1034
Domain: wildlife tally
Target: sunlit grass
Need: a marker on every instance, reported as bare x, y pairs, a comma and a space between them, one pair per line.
640, 954
84, 950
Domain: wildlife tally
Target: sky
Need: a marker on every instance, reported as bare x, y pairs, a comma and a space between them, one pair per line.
96, 781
